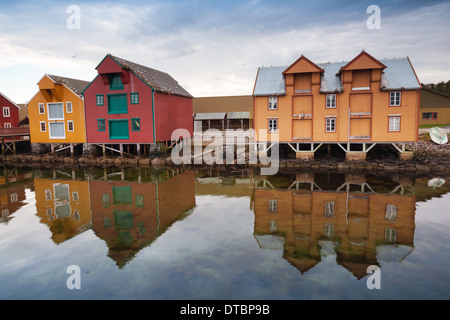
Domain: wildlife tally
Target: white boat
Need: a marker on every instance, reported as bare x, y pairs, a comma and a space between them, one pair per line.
438, 135
436, 182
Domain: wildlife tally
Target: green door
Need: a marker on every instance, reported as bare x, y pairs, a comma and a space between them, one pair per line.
118, 129
117, 103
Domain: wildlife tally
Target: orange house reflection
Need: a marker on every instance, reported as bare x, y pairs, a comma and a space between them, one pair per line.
360, 226
63, 205
129, 216
12, 192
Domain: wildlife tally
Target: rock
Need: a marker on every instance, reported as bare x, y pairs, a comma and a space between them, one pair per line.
158, 162
422, 168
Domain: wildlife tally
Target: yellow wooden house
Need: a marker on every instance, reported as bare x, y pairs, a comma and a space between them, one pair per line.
355, 104
56, 113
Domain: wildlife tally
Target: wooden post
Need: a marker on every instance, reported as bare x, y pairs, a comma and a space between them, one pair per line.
3, 146
121, 149
104, 150
52, 147
71, 150
138, 149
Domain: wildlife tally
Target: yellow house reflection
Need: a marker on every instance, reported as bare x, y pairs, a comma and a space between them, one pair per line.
130, 215
361, 227
63, 205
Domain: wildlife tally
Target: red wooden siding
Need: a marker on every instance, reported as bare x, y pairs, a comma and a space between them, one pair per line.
13, 118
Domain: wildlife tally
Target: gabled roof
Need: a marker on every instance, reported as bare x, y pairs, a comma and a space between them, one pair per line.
158, 80
367, 58
303, 64
77, 86
398, 74
12, 102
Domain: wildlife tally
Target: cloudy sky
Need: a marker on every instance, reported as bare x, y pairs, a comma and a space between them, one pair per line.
213, 48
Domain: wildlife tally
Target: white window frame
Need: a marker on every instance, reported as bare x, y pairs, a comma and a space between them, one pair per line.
329, 209
6, 112
391, 212
273, 103
40, 126
48, 110
50, 130
331, 101
7, 125
272, 128
68, 126
273, 205
394, 96
69, 107
328, 127
395, 125
41, 107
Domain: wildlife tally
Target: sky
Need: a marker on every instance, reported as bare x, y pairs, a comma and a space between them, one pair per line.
213, 48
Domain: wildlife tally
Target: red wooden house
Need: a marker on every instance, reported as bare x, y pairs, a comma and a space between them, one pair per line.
130, 104
9, 112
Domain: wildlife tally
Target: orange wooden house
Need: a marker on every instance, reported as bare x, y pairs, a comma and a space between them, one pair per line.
355, 104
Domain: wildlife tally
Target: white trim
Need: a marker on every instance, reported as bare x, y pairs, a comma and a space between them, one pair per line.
40, 126
67, 107
50, 130
48, 110
9, 112
68, 128
330, 130
39, 108
360, 88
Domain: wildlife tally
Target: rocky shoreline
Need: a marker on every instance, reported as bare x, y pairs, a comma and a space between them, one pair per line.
430, 158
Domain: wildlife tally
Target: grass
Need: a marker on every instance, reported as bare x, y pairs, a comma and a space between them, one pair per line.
434, 125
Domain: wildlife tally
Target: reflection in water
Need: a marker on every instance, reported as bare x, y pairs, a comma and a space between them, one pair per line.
358, 220
310, 219
128, 213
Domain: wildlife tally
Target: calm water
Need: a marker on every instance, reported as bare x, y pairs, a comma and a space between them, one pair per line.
148, 234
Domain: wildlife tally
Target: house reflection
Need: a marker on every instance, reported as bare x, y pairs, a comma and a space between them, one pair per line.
315, 217
13, 185
130, 215
63, 205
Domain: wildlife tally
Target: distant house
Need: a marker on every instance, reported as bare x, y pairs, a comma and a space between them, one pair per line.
354, 105
434, 107
56, 112
9, 116
128, 104
225, 112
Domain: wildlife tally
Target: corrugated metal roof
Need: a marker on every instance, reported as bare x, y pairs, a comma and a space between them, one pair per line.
270, 81
210, 116
158, 80
238, 115
398, 75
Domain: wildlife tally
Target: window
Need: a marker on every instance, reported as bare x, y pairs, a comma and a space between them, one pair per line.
100, 100
70, 125
329, 209
429, 115
117, 103
101, 125
394, 124
391, 212
57, 130
135, 124
273, 227
331, 101
330, 124
6, 112
55, 111
328, 230
134, 97
75, 196
390, 235
273, 103
7, 125
273, 205
41, 108
395, 98
69, 107
273, 125
43, 126
118, 129
115, 82
48, 194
